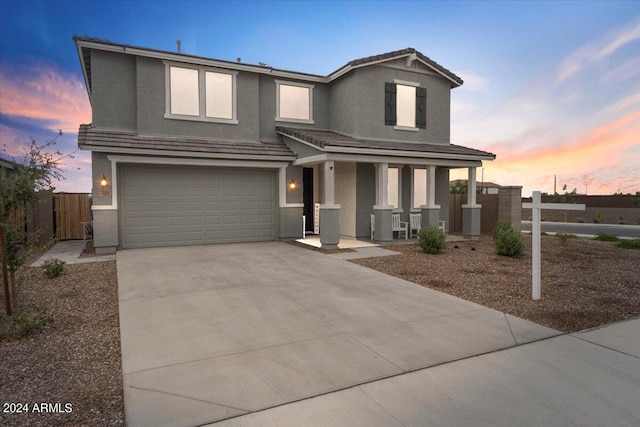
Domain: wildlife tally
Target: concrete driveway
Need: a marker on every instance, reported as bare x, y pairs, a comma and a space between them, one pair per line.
214, 332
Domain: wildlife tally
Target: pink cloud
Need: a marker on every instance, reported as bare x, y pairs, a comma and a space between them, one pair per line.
44, 94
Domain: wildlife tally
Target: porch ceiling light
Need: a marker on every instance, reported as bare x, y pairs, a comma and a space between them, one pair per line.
292, 185
103, 181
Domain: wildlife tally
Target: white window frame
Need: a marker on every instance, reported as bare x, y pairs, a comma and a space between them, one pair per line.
399, 82
202, 95
297, 84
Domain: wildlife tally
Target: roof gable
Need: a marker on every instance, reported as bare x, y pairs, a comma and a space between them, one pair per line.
410, 55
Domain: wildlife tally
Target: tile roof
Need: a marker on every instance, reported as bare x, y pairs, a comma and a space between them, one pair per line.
324, 139
95, 139
407, 51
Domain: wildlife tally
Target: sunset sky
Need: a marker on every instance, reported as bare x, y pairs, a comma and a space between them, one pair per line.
552, 88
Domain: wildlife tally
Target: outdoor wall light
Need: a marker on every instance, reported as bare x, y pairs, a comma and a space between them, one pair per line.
292, 185
103, 181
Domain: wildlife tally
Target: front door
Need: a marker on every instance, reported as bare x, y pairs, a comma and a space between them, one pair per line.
307, 197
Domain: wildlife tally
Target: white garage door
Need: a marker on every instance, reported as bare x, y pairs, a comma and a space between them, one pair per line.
167, 206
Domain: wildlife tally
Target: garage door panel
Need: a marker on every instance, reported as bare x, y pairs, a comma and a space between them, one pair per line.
179, 206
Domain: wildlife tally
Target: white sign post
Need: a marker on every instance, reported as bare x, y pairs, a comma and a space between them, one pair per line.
536, 207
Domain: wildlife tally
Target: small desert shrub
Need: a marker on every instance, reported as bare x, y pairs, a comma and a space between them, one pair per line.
602, 237
565, 236
597, 218
30, 320
52, 268
501, 225
509, 243
431, 240
629, 244
621, 220
580, 220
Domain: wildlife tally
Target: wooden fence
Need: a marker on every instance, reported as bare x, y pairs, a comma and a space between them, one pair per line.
71, 210
488, 214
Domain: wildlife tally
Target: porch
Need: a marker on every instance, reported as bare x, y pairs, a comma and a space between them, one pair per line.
357, 188
351, 243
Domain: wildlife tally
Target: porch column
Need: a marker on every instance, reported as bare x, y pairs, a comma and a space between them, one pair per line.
471, 211
329, 211
430, 211
382, 211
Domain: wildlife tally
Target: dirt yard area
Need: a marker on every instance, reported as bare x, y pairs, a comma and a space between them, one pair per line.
68, 372
585, 283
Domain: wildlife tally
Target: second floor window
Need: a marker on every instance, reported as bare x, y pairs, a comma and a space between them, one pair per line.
201, 94
294, 102
405, 105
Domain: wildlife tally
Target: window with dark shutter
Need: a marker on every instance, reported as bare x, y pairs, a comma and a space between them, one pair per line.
421, 107
390, 115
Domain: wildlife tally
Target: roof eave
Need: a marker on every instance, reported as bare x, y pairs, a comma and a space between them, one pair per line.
192, 59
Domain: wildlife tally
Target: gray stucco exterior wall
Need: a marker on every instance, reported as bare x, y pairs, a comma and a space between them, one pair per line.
342, 93
369, 95
365, 198
105, 230
295, 196
113, 90
100, 166
267, 107
152, 107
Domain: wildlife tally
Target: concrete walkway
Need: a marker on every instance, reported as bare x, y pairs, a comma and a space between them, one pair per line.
69, 251
584, 379
216, 332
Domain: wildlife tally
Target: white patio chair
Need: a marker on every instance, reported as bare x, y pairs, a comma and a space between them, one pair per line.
399, 226
442, 225
414, 224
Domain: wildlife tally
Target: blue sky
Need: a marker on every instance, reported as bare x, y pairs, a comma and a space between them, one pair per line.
553, 88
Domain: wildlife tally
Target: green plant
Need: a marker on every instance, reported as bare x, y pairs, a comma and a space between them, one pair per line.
431, 240
602, 237
621, 220
564, 237
629, 244
52, 268
509, 243
501, 225
30, 320
597, 218
580, 220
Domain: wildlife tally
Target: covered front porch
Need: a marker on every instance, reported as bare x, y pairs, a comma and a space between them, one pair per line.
358, 190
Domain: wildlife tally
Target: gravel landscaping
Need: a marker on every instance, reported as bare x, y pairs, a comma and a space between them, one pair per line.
585, 283
71, 365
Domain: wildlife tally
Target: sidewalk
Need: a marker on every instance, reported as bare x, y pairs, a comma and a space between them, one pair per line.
589, 378
69, 251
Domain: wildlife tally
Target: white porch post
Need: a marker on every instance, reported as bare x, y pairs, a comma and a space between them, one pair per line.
471, 211
382, 188
329, 183
329, 211
471, 187
431, 186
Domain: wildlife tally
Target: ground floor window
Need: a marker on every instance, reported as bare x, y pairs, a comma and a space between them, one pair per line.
419, 188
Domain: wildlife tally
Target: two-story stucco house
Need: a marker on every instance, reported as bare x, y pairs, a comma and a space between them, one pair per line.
191, 150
